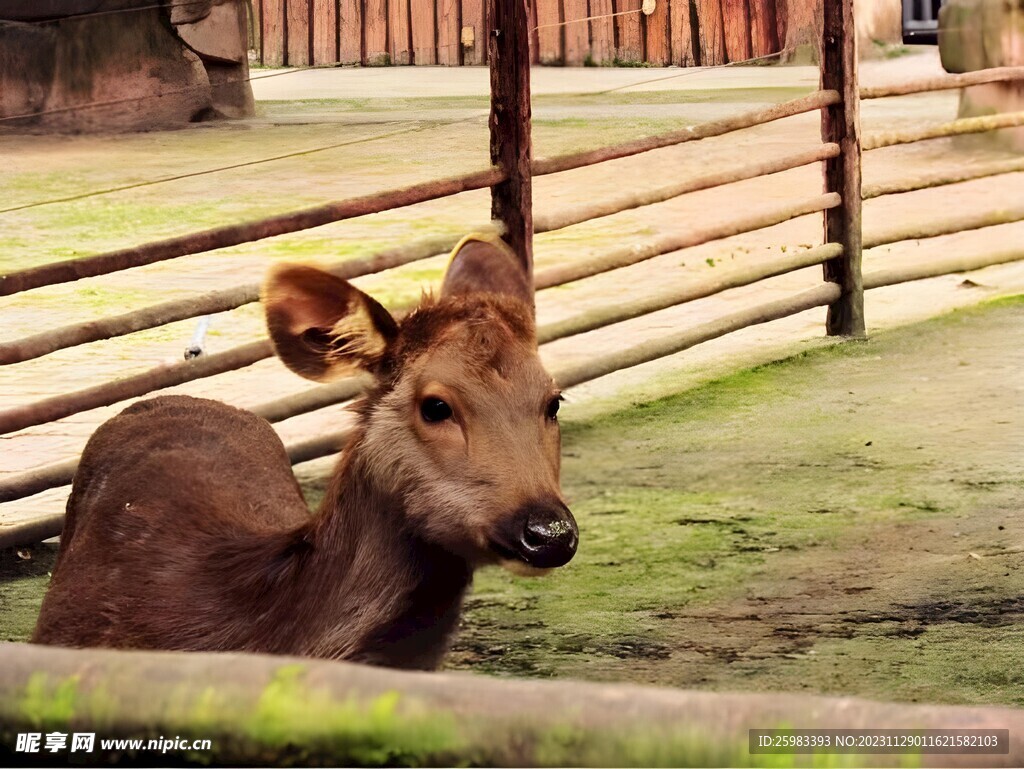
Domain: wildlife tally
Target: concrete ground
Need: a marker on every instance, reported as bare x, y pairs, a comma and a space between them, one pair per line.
444, 114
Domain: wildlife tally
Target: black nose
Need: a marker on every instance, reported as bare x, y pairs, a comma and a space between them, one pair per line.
549, 536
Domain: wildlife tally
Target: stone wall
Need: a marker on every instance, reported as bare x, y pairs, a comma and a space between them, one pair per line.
141, 68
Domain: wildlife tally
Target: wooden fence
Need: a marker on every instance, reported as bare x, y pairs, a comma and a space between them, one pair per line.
509, 178
570, 32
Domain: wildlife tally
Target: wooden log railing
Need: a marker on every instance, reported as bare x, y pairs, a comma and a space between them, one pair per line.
60, 406
943, 177
246, 232
945, 82
960, 127
948, 226
46, 342
809, 103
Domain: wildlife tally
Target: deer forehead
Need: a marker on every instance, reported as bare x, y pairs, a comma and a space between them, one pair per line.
484, 339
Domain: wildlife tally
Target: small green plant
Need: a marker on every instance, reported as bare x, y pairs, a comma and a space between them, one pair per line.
886, 50
620, 62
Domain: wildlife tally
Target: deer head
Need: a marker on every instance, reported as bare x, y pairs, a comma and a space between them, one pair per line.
460, 423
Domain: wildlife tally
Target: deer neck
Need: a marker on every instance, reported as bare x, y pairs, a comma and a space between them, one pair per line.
384, 595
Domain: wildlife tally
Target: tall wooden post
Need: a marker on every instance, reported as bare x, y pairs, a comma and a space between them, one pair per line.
511, 147
840, 123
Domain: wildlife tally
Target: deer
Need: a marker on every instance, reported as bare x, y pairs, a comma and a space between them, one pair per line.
187, 530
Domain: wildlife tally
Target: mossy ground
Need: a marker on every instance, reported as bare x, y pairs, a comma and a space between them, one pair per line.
807, 525
842, 521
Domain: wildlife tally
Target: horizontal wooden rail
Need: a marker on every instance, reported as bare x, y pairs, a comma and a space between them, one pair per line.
36, 530
109, 393
46, 342
814, 101
948, 225
60, 406
947, 265
343, 714
942, 178
624, 257
945, 82
313, 399
61, 473
671, 344
633, 200
245, 232
961, 127
731, 278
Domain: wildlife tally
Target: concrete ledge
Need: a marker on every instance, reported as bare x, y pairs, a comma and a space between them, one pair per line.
268, 710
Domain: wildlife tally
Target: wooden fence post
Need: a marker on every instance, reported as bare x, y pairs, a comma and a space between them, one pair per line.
840, 123
511, 147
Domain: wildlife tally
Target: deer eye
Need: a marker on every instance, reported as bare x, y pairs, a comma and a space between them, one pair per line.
435, 410
553, 407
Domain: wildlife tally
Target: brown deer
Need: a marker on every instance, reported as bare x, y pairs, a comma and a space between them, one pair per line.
186, 528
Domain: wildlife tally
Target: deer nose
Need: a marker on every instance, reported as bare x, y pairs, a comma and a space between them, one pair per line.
549, 536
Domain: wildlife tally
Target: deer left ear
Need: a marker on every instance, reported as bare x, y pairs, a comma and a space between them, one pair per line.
486, 263
323, 327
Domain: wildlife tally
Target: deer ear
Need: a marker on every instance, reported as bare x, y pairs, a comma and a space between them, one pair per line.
323, 327
485, 263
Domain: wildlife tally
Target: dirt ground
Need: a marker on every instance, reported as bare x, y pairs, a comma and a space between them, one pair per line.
846, 520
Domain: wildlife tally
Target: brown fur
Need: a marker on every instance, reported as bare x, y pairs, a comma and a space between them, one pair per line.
187, 530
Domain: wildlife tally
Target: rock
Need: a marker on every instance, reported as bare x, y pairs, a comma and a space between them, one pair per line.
131, 71
190, 11
220, 36
27, 62
978, 34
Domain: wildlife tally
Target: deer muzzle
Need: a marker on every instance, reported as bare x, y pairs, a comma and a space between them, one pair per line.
542, 535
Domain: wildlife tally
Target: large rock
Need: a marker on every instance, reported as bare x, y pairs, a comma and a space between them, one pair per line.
978, 34
128, 68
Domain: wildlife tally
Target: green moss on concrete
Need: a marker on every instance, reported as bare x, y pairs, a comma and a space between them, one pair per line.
294, 723
47, 702
372, 733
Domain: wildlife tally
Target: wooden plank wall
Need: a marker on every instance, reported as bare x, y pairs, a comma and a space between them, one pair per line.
564, 32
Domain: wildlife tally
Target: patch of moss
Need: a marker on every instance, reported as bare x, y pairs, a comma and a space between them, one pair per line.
24, 577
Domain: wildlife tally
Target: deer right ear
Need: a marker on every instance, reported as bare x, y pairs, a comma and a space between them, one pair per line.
323, 327
486, 263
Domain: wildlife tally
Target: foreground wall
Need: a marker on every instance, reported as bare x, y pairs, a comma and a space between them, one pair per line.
139, 65
270, 710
